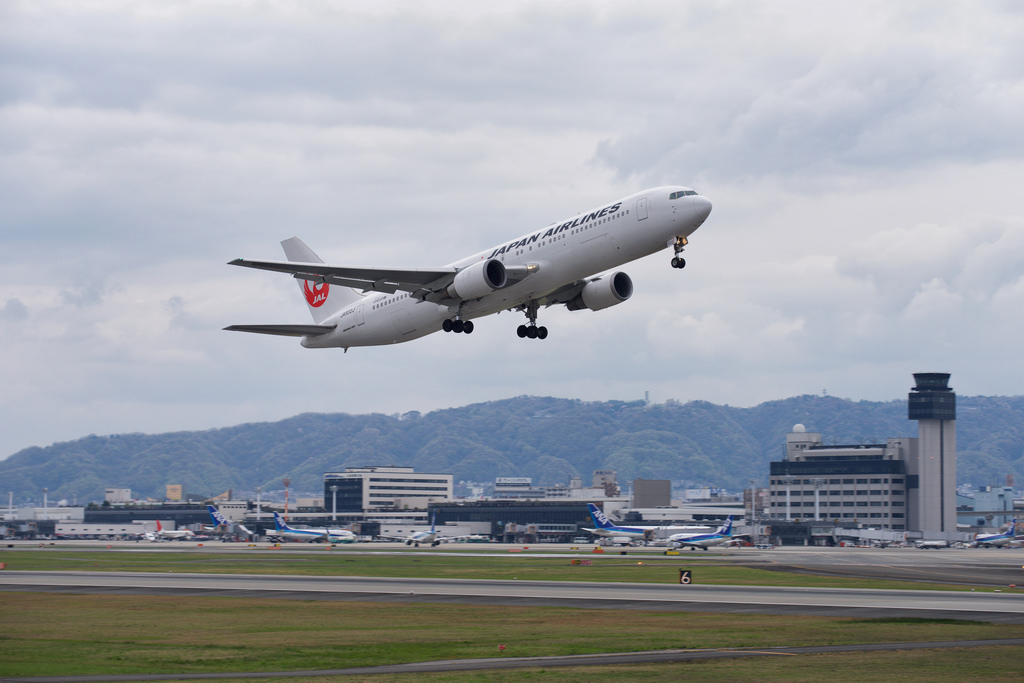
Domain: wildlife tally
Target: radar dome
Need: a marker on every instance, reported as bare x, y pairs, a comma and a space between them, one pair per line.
799, 429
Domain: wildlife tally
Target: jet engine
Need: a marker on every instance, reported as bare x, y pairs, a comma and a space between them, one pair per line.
478, 280
603, 292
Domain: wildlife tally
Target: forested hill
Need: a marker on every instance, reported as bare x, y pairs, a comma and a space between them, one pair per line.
547, 439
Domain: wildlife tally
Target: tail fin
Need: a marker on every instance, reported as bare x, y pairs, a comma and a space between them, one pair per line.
158, 526
218, 518
279, 523
324, 299
600, 520
726, 530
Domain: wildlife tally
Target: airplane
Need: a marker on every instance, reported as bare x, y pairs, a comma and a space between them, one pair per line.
177, 535
721, 536
433, 537
570, 262
222, 522
312, 534
605, 528
997, 540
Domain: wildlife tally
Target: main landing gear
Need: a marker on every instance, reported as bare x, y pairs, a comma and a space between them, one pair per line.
678, 244
531, 331
457, 325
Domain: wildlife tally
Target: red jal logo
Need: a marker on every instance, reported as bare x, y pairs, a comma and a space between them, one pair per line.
316, 296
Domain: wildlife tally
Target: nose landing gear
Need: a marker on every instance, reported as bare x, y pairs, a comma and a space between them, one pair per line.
678, 244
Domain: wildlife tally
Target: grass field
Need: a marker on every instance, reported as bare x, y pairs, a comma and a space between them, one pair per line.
52, 634
58, 634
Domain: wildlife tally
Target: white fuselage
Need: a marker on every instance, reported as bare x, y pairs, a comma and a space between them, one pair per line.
311, 534
996, 540
699, 540
559, 254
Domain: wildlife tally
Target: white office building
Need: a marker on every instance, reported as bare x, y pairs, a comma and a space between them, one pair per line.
359, 489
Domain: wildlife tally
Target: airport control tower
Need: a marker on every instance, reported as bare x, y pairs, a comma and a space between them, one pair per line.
931, 476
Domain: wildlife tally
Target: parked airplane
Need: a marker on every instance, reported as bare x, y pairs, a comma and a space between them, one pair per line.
605, 528
563, 263
222, 522
433, 537
177, 535
721, 536
312, 534
997, 540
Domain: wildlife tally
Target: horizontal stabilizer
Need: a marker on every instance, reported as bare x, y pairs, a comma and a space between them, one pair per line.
283, 330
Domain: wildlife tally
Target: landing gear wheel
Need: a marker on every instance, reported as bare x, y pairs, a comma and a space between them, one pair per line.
531, 331
678, 262
447, 325
467, 327
458, 326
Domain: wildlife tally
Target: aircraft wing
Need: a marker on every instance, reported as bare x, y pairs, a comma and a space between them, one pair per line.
368, 279
283, 330
449, 539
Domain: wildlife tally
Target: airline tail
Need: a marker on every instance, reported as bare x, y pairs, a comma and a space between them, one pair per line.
600, 520
279, 523
726, 530
324, 299
217, 517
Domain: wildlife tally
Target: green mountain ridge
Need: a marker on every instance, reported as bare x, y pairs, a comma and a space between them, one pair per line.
548, 439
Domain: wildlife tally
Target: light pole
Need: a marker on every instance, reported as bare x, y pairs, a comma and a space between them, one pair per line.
334, 502
287, 483
46, 492
818, 483
259, 490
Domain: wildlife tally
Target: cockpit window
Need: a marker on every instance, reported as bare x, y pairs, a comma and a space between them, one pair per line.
682, 193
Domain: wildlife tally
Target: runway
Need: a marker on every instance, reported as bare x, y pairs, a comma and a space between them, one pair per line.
1001, 607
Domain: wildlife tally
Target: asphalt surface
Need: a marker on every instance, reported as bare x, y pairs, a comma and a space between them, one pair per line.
1003, 607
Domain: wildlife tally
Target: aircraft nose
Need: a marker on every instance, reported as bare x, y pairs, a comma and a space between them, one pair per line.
701, 208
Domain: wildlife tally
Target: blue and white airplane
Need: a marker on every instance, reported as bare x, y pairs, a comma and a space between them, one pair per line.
605, 528
570, 262
312, 534
431, 536
721, 536
997, 540
222, 522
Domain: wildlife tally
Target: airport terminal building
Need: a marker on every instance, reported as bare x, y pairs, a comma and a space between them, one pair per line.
904, 484
846, 484
366, 489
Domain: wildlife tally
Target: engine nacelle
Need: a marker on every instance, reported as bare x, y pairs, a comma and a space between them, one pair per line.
479, 279
603, 292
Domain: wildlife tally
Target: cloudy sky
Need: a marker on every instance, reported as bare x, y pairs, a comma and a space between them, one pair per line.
865, 160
